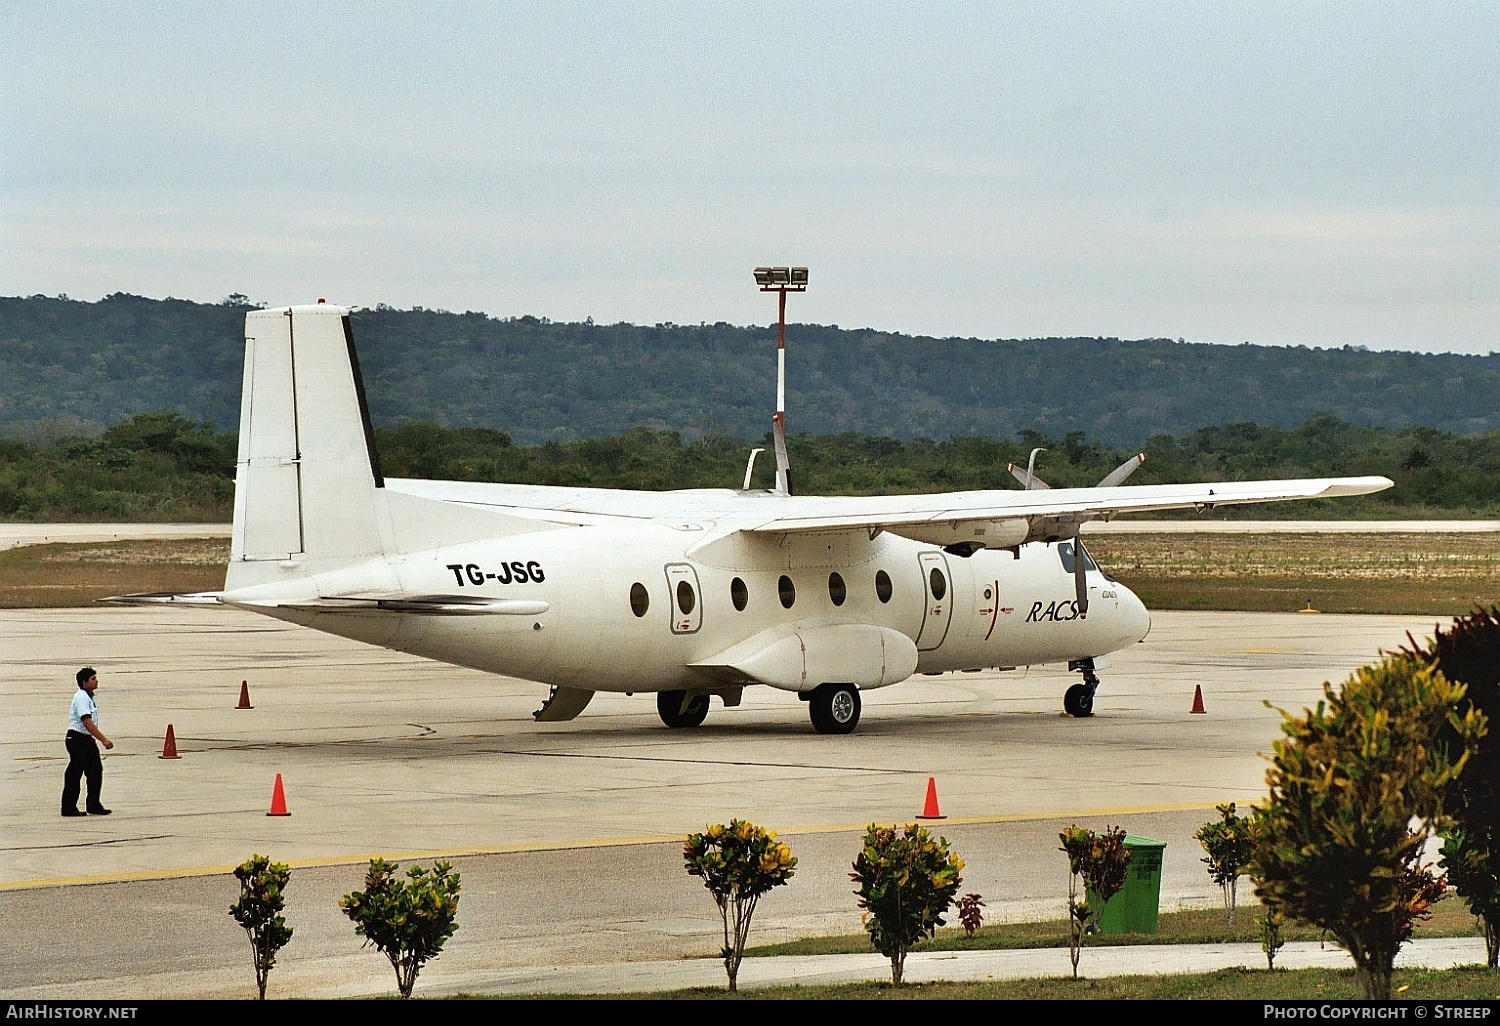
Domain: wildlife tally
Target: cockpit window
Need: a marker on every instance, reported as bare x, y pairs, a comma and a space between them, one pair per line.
1065, 553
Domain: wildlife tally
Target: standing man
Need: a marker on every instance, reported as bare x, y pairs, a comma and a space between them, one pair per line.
83, 751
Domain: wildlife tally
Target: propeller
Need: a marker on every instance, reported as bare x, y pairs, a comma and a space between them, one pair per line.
1080, 583
1027, 477
1124, 470
1030, 481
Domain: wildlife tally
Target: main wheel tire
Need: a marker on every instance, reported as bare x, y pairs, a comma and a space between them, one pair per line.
834, 708
674, 712
1078, 701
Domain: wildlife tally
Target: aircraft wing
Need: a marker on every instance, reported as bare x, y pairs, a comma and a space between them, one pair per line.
991, 517
569, 506
1006, 517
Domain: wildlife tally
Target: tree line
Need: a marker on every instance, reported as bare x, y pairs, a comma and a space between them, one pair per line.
164, 466
75, 367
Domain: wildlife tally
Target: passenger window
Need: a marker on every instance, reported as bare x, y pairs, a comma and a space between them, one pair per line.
883, 585
686, 600
836, 589
939, 584
739, 594
787, 591
640, 600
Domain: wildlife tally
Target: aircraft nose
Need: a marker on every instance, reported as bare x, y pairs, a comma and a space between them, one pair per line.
1137, 616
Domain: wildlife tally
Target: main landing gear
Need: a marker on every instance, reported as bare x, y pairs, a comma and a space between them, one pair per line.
1078, 700
834, 708
682, 708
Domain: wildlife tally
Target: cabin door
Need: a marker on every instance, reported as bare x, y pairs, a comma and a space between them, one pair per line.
687, 601
937, 584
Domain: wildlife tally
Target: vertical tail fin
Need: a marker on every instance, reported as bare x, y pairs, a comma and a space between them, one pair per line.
308, 481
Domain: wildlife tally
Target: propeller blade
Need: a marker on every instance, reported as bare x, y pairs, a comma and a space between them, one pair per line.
783, 465
1032, 481
1080, 583
1124, 470
1028, 480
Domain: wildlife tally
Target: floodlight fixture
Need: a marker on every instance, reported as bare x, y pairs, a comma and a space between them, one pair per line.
781, 279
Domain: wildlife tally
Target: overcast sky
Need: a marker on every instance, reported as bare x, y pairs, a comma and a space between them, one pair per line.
1299, 173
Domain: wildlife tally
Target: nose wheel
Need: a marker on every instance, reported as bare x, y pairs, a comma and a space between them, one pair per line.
1078, 700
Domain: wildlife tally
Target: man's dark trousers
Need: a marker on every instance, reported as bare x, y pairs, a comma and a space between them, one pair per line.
83, 761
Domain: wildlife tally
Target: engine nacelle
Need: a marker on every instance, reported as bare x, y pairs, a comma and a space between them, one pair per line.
976, 534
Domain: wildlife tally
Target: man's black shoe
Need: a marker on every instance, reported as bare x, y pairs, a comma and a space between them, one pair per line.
72, 812
100, 811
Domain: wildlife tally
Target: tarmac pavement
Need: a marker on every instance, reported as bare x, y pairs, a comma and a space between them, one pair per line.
568, 836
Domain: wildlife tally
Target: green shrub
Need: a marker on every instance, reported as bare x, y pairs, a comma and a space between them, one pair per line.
407, 920
1097, 864
1270, 935
1333, 844
262, 898
1468, 653
738, 863
1227, 841
906, 880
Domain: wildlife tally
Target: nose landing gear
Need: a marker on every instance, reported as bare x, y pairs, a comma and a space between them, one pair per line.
1078, 700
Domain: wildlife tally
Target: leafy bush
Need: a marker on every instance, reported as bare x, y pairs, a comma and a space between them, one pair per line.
1227, 841
738, 864
1333, 844
1270, 935
407, 920
1468, 653
906, 880
970, 913
262, 898
1097, 862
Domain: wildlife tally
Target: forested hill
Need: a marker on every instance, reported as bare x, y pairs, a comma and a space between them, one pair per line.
77, 367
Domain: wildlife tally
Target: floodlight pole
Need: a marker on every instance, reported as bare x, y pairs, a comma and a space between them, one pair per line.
781, 280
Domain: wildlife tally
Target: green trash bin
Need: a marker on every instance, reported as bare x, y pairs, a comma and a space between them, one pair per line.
1133, 909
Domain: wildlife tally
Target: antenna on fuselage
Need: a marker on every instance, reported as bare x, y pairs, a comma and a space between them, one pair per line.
781, 280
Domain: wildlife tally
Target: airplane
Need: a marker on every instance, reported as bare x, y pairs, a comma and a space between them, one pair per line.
693, 594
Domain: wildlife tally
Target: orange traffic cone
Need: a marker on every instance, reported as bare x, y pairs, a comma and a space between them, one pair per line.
1198, 699
278, 800
169, 748
244, 696
930, 810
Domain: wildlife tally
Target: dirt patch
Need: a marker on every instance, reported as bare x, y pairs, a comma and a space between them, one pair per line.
1420, 574
59, 575
1417, 574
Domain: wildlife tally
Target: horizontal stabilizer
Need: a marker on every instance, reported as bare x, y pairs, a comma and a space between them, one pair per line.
425, 605
168, 598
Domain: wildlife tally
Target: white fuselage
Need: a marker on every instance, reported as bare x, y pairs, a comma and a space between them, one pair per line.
692, 593
992, 609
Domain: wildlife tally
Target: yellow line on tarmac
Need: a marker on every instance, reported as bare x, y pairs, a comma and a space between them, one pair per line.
602, 842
